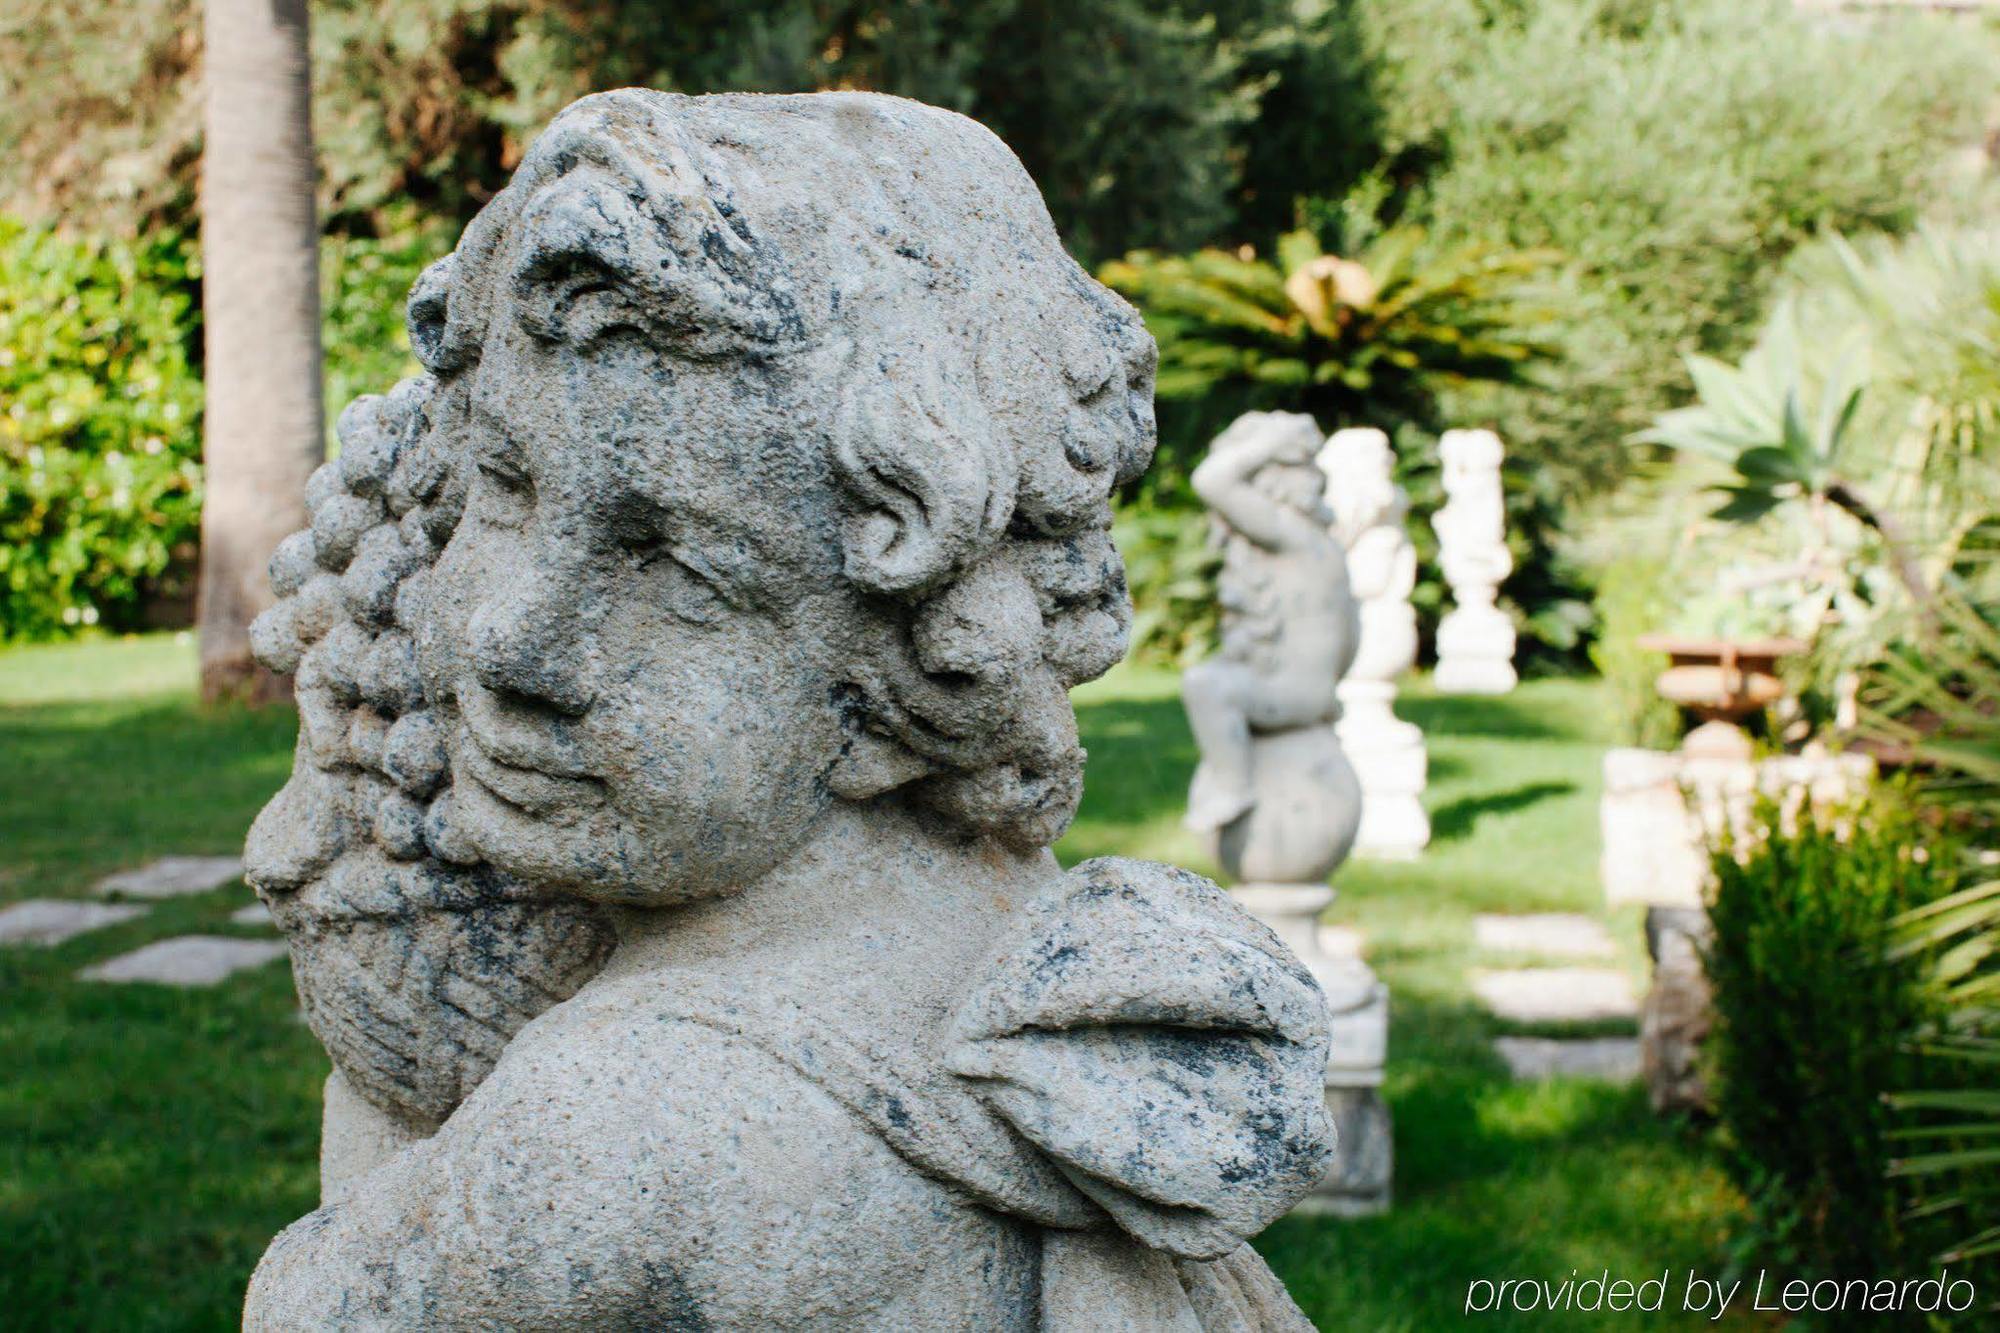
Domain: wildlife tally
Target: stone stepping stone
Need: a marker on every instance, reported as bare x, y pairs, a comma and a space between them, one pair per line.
256, 914
1528, 1059
1554, 934
1340, 941
1556, 994
186, 960
173, 877
53, 920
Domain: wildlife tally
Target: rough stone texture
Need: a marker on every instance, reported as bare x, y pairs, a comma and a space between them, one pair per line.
1675, 1021
186, 960
1660, 811
1387, 753
1273, 798
53, 920
1613, 1059
1475, 641
683, 669
172, 877
1552, 934
1556, 994
1358, 1177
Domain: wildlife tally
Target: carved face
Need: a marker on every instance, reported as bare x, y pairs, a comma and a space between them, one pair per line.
1302, 486
632, 619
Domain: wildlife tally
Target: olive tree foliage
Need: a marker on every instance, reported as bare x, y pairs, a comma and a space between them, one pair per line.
1130, 113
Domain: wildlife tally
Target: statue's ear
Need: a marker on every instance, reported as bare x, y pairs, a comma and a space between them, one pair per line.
923, 477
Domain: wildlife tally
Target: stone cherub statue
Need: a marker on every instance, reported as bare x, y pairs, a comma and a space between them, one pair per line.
1273, 795
1388, 755
1475, 641
682, 665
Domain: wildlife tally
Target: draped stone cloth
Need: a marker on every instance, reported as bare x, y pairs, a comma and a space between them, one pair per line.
1140, 1075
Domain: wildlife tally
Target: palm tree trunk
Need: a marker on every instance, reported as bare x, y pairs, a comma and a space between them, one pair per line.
260, 301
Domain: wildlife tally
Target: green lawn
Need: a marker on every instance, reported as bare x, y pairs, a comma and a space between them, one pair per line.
151, 1141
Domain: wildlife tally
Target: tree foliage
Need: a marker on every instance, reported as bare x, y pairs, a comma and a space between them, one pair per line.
1674, 152
1129, 113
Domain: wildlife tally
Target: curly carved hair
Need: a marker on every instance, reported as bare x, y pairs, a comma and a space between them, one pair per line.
978, 537
977, 516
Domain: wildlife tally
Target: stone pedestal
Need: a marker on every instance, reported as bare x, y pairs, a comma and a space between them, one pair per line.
1677, 1014
1358, 1182
1659, 810
1476, 651
1392, 766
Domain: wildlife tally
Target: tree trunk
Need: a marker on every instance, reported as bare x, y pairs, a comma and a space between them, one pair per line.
260, 302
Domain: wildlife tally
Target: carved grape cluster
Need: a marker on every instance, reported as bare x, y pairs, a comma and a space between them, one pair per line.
416, 964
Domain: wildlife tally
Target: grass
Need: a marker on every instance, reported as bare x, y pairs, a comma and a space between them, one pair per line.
151, 1141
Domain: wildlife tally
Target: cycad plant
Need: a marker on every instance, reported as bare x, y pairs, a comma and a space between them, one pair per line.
1943, 704
1366, 337
1752, 419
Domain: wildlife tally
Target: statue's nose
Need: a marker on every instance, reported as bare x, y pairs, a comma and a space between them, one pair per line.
530, 641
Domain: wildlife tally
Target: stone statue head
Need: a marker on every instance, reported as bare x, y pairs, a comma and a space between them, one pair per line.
695, 594
1471, 459
731, 491
1359, 467
1290, 478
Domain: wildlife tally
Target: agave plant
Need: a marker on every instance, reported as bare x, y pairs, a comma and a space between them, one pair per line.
1943, 705
1346, 338
1752, 419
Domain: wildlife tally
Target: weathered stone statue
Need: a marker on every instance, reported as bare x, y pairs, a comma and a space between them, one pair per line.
1274, 798
682, 667
1475, 641
1387, 752
1274, 795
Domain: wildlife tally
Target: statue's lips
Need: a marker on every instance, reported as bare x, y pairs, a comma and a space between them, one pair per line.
526, 789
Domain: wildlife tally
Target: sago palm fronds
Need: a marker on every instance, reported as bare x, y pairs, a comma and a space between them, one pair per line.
1332, 335
1943, 703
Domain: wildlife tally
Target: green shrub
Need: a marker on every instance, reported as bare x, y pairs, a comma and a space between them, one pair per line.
1633, 598
100, 427
1936, 698
1675, 151
1170, 565
1816, 1020
364, 285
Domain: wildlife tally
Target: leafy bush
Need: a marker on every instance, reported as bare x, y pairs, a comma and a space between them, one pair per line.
1815, 1020
1131, 114
1674, 151
100, 427
1170, 566
1633, 599
1858, 442
364, 284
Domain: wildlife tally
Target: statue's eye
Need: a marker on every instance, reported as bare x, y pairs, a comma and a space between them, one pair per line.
676, 578
507, 493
